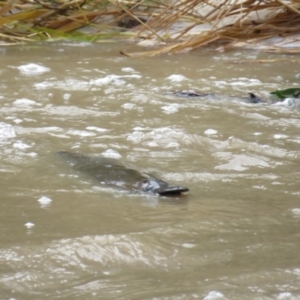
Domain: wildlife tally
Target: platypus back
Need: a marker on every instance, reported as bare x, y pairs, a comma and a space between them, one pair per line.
111, 172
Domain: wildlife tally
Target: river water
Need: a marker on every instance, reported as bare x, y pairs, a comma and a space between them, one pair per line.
235, 235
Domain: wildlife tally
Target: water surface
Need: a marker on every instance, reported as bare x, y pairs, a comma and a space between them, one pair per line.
65, 236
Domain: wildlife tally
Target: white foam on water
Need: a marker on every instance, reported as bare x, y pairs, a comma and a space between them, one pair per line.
72, 84
44, 201
173, 145
170, 109
17, 121
69, 84
176, 78
113, 79
242, 81
32, 69
25, 102
279, 136
288, 102
6, 131
20, 145
286, 296
32, 154
81, 133
213, 295
94, 128
75, 44
296, 271
67, 96
136, 136
43, 85
241, 162
128, 69
139, 128
29, 225
109, 79
129, 106
296, 211
210, 131
111, 154
260, 187
188, 245
152, 144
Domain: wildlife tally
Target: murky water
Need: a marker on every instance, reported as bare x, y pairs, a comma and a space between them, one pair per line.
63, 236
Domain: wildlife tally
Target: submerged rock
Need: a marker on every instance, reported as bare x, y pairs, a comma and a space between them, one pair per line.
111, 172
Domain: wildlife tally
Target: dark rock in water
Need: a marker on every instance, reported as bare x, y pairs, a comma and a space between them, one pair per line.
111, 172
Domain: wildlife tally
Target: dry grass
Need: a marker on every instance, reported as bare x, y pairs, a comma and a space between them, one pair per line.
180, 25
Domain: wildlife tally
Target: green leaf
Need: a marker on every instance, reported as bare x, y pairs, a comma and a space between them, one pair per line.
282, 94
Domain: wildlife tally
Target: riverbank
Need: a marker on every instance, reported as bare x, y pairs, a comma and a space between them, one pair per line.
166, 27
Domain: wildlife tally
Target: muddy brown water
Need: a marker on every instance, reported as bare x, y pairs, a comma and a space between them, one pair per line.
235, 235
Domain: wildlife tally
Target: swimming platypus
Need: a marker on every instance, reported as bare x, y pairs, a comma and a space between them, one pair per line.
111, 172
252, 98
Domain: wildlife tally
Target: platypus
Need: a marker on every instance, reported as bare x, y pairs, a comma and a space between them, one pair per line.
111, 172
252, 98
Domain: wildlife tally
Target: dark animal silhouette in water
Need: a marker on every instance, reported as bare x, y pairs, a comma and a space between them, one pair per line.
111, 172
252, 98
293, 102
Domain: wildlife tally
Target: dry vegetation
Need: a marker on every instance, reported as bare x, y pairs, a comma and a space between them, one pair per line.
174, 25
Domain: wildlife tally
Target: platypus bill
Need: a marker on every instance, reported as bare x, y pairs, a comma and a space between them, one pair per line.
111, 172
